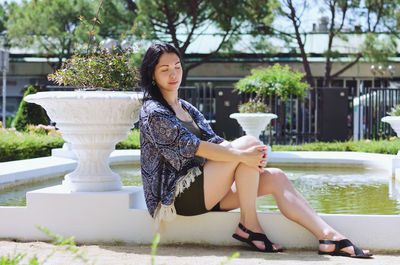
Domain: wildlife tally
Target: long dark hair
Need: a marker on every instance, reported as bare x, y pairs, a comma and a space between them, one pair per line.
149, 62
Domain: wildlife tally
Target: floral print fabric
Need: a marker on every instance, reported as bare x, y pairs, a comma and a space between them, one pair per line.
167, 151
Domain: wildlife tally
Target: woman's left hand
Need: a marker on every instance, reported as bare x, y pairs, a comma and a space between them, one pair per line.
263, 162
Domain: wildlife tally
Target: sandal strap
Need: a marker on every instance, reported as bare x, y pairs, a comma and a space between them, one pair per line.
342, 244
327, 241
257, 237
347, 243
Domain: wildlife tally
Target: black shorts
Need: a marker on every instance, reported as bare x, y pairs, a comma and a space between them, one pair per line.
191, 201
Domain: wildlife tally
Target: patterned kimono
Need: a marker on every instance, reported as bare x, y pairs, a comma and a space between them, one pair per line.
167, 155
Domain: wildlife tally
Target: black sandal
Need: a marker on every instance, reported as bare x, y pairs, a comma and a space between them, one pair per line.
256, 237
358, 253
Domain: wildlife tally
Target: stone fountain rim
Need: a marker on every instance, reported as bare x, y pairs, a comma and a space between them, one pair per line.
390, 118
259, 114
85, 95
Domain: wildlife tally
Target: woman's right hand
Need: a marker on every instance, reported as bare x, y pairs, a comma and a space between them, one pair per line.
255, 156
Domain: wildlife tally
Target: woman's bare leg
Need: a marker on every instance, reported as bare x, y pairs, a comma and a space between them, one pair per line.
218, 179
292, 205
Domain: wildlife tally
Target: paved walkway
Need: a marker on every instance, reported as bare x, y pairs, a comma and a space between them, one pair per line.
183, 254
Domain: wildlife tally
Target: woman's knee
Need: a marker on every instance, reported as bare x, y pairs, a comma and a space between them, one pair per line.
273, 180
245, 142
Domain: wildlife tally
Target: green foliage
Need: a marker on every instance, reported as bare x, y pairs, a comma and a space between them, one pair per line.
390, 146
378, 48
102, 69
9, 260
9, 121
132, 141
179, 22
51, 26
233, 256
254, 106
116, 18
156, 241
29, 113
154, 245
15, 145
38, 141
273, 80
66, 245
3, 19
395, 110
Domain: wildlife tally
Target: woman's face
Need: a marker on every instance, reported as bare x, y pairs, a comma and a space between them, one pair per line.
168, 72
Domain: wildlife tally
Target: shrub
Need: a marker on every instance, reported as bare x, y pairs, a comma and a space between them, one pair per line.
15, 145
253, 106
395, 111
131, 142
390, 146
39, 140
273, 80
29, 113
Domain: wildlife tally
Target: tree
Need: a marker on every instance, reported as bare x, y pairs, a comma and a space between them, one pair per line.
116, 17
3, 17
180, 22
53, 27
342, 15
29, 113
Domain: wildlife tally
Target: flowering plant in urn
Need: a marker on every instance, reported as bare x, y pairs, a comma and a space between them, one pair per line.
276, 80
97, 115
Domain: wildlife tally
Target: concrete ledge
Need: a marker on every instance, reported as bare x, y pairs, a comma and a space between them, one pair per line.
121, 216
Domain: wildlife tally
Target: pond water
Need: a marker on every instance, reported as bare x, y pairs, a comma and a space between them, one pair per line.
328, 190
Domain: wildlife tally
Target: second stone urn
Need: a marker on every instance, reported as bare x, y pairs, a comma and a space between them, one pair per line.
253, 123
93, 122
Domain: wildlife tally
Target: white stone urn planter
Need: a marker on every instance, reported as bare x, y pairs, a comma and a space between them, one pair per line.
92, 122
253, 123
394, 122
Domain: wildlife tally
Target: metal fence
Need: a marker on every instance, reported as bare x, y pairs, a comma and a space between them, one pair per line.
370, 105
297, 120
301, 121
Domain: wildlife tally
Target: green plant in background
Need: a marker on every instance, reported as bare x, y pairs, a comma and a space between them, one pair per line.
102, 69
37, 141
9, 121
29, 113
98, 68
254, 106
395, 110
390, 146
274, 80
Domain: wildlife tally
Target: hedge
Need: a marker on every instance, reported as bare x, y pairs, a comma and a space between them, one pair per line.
15, 145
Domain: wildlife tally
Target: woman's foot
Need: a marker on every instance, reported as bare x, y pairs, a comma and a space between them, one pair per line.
258, 244
328, 248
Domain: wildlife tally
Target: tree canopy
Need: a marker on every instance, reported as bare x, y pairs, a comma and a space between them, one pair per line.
342, 17
53, 27
180, 22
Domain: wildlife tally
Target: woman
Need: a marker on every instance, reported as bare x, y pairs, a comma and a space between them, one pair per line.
188, 170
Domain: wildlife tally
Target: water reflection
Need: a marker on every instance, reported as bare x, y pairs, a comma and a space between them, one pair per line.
341, 190
329, 190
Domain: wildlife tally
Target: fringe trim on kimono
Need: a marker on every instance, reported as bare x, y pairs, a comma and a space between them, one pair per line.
168, 212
